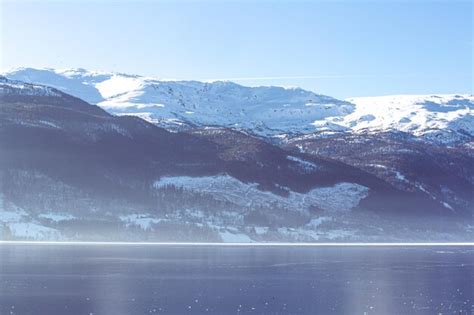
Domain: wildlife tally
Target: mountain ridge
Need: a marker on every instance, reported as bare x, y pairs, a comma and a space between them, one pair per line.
267, 111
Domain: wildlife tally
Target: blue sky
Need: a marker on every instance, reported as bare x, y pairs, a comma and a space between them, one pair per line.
340, 48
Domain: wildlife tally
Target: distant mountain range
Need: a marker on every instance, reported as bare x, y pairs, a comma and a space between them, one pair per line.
268, 111
222, 162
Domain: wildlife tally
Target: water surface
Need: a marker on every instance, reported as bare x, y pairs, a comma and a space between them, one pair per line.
85, 279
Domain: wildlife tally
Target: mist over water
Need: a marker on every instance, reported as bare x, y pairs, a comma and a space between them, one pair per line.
105, 279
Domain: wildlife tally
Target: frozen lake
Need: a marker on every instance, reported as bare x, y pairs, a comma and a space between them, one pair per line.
97, 279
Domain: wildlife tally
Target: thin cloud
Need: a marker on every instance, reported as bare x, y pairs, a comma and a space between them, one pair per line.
305, 77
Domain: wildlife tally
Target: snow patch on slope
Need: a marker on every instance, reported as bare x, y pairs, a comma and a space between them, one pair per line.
340, 197
303, 165
229, 237
143, 221
12, 216
57, 217
118, 85
33, 231
21, 226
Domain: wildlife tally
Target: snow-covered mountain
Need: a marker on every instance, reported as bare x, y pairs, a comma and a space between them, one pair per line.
172, 104
268, 111
441, 118
70, 170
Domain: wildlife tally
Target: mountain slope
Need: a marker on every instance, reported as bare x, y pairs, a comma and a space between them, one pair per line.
445, 174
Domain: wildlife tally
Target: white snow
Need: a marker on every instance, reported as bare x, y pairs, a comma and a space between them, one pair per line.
447, 205
432, 196
143, 221
378, 166
57, 217
266, 110
421, 115
148, 116
117, 85
315, 235
33, 231
315, 222
21, 225
229, 237
400, 176
12, 216
305, 166
49, 124
22, 88
338, 234
340, 197
260, 230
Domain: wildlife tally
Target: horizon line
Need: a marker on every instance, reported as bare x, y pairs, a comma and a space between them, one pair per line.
243, 244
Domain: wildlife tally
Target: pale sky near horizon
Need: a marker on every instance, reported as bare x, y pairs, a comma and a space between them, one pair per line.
340, 48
